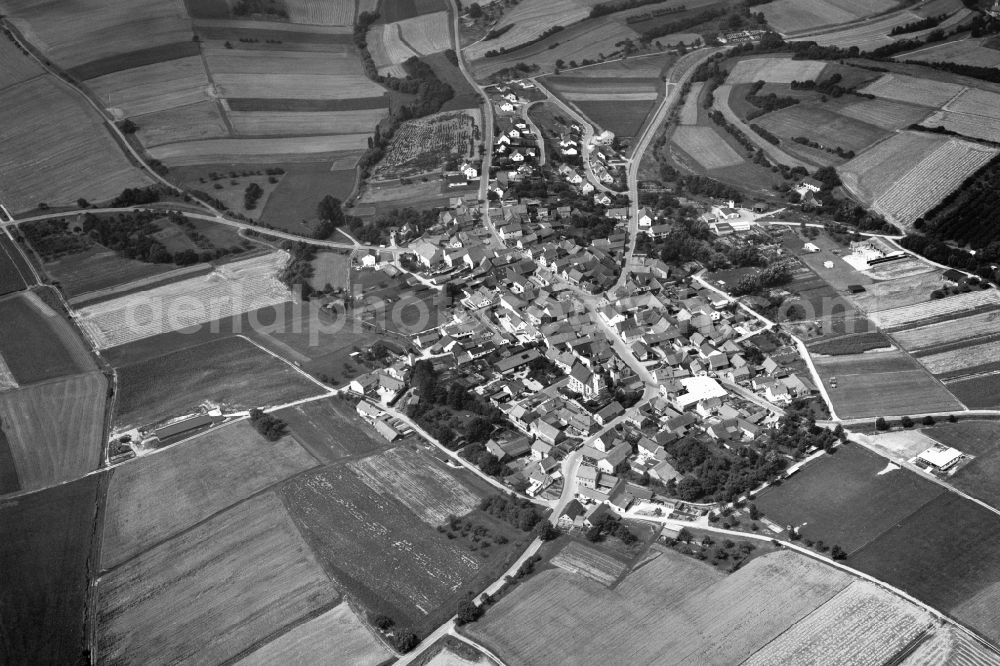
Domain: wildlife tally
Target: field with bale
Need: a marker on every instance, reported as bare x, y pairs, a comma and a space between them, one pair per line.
241, 575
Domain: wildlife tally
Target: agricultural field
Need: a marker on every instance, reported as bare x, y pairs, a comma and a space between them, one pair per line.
198, 121
907, 316
577, 558
57, 149
424, 145
721, 102
229, 372
982, 440
965, 359
15, 274
966, 124
847, 498
689, 112
338, 631
774, 70
157, 87
55, 430
868, 35
230, 290
640, 67
672, 604
202, 476
381, 553
882, 384
295, 123
949, 645
45, 544
968, 51
261, 151
17, 66
331, 430
913, 90
953, 567
417, 482
292, 205
428, 33
792, 16
899, 445
856, 343
529, 20
872, 626
321, 12
822, 125
215, 615
899, 292
601, 99
982, 392
885, 113
78, 33
388, 50
706, 146
37, 344
331, 268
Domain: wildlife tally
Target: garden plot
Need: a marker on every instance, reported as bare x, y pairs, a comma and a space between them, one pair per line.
791, 16
337, 632
427, 34
529, 20
152, 88
952, 330
706, 146
424, 145
73, 33
590, 562
153, 498
885, 113
774, 70
198, 121
228, 291
285, 150
242, 575
872, 626
320, 12
903, 317
56, 149
417, 482
278, 123
672, 605
912, 90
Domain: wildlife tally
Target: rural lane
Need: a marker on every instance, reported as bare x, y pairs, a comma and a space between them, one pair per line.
773, 153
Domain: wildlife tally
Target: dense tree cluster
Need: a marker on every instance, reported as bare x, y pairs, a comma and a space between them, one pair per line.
916, 26
610, 525
299, 269
771, 276
713, 475
260, 7
439, 400
520, 513
766, 103
268, 425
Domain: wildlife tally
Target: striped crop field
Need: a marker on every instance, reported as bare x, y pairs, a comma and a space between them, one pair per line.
912, 90
706, 146
866, 36
875, 171
590, 562
388, 50
530, 18
426, 34
15, 66
153, 88
280, 123
952, 330
791, 16
911, 314
193, 122
321, 12
260, 151
969, 51
885, 113
971, 356
774, 70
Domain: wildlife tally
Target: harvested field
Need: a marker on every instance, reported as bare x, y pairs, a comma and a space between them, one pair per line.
388, 50
826, 127
427, 34
671, 605
153, 88
425, 144
242, 575
968, 357
230, 290
949, 646
230, 372
643, 67
882, 384
931, 180
952, 330
885, 113
705, 145
57, 149
263, 104
45, 543
967, 51
321, 12
952, 567
774, 70
586, 561
843, 499
868, 35
16, 66
873, 626
260, 151
903, 317
876, 171
337, 632
377, 549
280, 123
909, 89
418, 482
966, 124
133, 59
982, 392
689, 112
331, 430
194, 122
80, 32
55, 430
530, 19
202, 476
901, 292
791, 16
289, 75
37, 343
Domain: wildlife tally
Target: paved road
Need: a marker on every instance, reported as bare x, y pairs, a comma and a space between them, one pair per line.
534, 130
